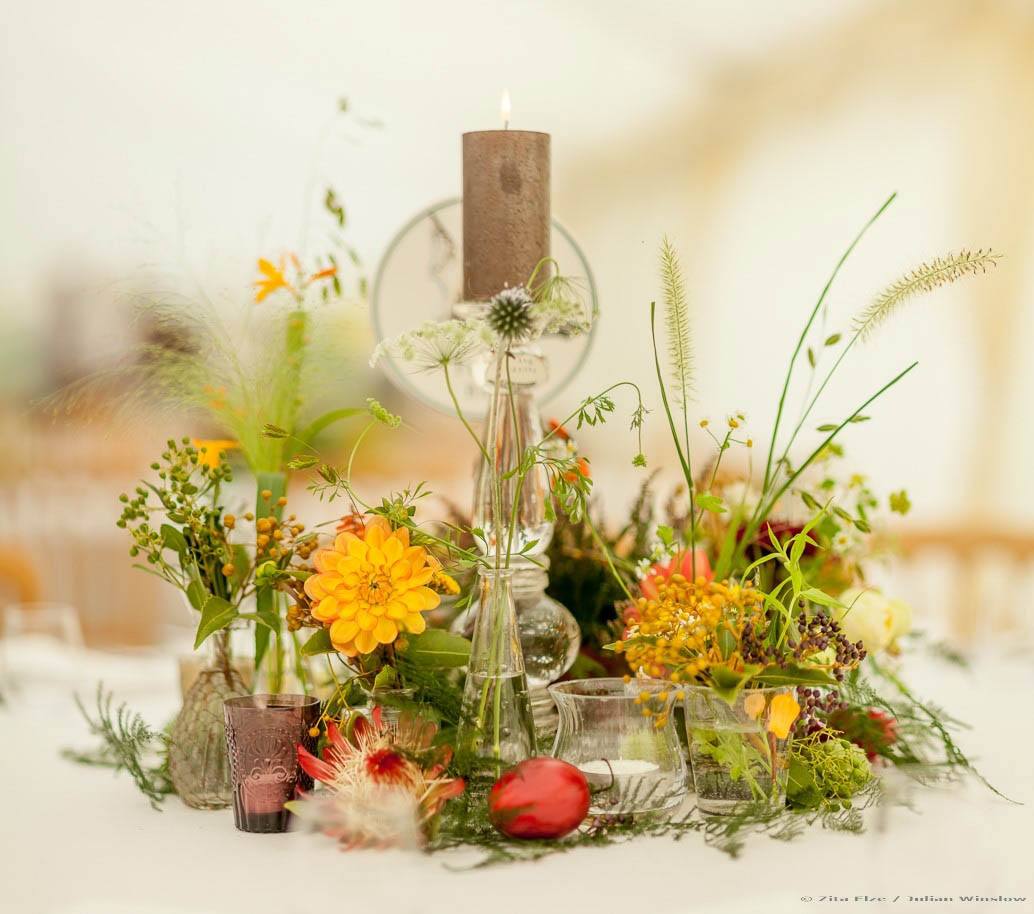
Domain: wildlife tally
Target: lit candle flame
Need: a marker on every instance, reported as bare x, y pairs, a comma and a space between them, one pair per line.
505, 108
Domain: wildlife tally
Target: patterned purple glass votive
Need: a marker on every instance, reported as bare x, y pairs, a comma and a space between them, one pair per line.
262, 735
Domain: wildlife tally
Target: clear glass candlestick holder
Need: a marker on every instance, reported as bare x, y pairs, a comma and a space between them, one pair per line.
621, 736
262, 737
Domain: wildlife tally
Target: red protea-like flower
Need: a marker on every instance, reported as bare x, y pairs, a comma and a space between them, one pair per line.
372, 769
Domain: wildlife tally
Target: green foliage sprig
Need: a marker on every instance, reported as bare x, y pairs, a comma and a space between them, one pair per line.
127, 742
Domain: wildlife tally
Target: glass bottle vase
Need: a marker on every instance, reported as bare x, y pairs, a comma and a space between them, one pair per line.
496, 727
198, 764
513, 424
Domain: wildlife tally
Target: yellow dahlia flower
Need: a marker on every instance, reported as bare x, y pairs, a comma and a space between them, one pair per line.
369, 588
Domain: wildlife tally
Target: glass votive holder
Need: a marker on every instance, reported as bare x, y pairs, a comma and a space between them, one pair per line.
620, 735
262, 736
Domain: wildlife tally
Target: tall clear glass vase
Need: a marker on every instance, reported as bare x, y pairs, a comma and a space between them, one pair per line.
496, 727
514, 423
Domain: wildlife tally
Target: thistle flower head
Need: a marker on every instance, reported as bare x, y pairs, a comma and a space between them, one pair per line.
511, 315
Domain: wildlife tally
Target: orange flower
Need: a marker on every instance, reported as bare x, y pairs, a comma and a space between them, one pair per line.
754, 704
351, 523
368, 589
558, 430
581, 468
271, 280
210, 450
783, 713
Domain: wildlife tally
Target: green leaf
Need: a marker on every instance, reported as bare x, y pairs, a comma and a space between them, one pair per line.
437, 648
862, 526
665, 534
814, 595
726, 641
265, 619
860, 418
810, 501
828, 427
173, 539
793, 674
708, 502
216, 615
811, 357
197, 594
832, 339
327, 419
728, 682
385, 678
241, 565
319, 643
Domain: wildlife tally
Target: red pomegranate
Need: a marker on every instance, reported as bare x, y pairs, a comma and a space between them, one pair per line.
539, 798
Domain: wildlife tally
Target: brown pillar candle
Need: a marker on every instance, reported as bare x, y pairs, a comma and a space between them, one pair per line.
506, 220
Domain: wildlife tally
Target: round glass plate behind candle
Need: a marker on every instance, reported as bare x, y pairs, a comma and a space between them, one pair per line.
633, 762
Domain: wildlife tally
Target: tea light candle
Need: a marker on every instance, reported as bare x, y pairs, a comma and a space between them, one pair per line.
600, 772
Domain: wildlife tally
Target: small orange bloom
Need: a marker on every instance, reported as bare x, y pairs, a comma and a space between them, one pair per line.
558, 430
582, 469
783, 713
323, 274
210, 450
754, 704
271, 280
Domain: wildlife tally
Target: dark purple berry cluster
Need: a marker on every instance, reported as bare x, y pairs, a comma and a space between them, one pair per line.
820, 631
816, 707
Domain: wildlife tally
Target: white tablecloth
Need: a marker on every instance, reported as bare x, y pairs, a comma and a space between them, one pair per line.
77, 840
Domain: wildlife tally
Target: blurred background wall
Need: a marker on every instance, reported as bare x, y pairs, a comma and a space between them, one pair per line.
144, 139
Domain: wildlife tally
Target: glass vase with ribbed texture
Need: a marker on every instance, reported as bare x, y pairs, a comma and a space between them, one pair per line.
198, 764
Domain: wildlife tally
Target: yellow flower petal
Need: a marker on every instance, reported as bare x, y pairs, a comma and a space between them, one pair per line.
393, 550
365, 642
314, 587
415, 623
754, 704
367, 620
397, 610
386, 631
782, 714
326, 610
343, 633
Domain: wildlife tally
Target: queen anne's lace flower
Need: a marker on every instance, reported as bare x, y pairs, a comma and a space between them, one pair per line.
437, 343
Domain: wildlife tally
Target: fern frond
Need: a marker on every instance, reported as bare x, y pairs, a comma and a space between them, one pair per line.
938, 272
676, 318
